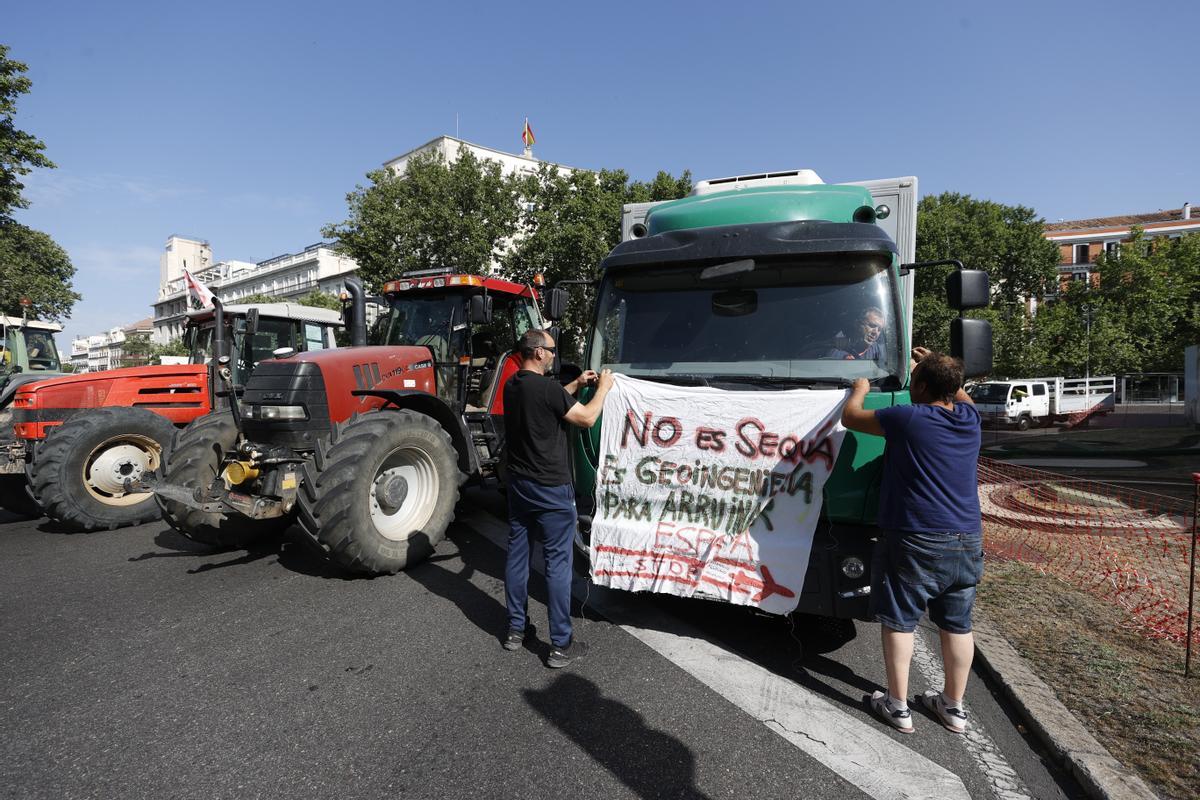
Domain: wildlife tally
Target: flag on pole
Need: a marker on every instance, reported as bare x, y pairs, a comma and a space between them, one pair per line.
199, 292
527, 134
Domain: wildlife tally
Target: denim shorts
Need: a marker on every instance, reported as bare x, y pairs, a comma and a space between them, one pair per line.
912, 572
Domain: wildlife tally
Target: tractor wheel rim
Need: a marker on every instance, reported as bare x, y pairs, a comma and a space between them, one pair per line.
113, 461
403, 493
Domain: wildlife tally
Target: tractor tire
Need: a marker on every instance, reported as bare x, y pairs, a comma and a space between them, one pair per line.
77, 472
193, 462
1023, 424
15, 497
379, 494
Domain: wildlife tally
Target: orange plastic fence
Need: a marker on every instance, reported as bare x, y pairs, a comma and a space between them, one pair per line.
1126, 546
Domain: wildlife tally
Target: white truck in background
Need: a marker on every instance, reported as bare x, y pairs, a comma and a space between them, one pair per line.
1025, 402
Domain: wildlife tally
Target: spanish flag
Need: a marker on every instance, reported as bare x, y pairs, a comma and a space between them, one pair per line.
527, 134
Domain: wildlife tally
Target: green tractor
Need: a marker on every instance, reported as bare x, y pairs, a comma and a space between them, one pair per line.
27, 354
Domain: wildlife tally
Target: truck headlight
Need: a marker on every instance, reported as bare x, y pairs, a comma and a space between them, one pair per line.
276, 412
853, 567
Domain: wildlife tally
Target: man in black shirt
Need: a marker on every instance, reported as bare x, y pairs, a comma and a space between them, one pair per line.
541, 497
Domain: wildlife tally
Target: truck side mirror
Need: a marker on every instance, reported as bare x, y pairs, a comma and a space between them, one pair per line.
967, 288
971, 341
252, 321
481, 309
556, 304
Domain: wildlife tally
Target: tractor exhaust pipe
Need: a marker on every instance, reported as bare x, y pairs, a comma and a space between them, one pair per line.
219, 340
358, 312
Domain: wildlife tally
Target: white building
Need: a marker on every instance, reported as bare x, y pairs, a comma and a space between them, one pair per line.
106, 350
288, 276
450, 148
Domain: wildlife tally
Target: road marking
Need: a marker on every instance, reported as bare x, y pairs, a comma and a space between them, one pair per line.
861, 753
1005, 782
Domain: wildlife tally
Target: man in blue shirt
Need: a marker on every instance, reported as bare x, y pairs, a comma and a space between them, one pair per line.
930, 557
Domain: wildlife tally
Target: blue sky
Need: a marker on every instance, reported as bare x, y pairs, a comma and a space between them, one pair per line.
247, 123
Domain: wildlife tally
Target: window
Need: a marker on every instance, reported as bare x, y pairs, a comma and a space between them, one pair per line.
1039, 390
1112, 249
1079, 276
314, 337
1081, 254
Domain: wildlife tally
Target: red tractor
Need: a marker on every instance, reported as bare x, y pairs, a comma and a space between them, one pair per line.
85, 439
364, 447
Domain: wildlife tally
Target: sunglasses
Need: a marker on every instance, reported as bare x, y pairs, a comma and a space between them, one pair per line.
550, 349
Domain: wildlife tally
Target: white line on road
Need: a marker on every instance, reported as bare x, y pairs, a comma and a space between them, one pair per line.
860, 753
1005, 782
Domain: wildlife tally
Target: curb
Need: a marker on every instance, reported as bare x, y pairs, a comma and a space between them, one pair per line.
1071, 745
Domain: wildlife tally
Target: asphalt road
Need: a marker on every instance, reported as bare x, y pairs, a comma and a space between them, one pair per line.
136, 664
1124, 465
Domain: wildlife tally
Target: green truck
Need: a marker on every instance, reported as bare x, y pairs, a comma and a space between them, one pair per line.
768, 282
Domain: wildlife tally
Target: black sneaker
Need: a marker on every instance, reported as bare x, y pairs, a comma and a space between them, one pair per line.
561, 656
515, 638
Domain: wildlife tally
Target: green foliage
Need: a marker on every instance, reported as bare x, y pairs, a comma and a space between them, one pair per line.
318, 299
1138, 316
19, 151
137, 350
175, 347
1148, 300
456, 215
467, 216
257, 299
569, 223
32, 266
1005, 241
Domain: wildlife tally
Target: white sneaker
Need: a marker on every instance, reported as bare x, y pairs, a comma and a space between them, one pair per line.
953, 718
898, 718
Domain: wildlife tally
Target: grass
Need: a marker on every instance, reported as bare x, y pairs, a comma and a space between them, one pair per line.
1128, 690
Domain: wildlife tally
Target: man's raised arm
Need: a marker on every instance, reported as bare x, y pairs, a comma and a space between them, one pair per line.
585, 416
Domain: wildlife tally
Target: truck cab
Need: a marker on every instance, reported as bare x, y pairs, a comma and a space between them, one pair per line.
1018, 403
760, 283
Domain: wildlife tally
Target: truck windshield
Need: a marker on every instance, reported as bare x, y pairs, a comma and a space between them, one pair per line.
790, 321
990, 393
435, 321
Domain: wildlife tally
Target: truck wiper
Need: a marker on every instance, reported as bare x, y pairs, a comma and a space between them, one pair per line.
678, 378
781, 381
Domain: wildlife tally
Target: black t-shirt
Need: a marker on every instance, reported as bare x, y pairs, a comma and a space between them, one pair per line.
535, 432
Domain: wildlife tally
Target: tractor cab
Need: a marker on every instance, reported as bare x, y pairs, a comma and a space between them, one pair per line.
470, 325
28, 346
253, 337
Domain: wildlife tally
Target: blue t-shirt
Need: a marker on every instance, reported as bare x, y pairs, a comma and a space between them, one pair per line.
929, 469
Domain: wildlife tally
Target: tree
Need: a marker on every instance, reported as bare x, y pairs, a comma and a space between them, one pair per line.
174, 347
137, 350
570, 222
20, 152
1005, 241
1148, 295
456, 215
34, 267
318, 299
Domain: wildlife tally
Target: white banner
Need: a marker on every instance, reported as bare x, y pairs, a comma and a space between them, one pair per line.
703, 492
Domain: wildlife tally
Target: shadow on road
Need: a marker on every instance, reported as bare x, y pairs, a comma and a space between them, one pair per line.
652, 763
291, 555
